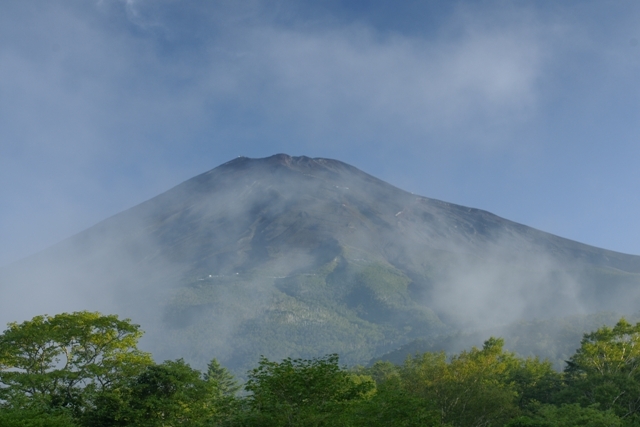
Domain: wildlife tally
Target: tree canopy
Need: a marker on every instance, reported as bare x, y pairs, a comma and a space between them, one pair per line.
62, 360
84, 370
605, 370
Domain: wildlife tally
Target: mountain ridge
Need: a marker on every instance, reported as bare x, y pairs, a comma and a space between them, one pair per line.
285, 160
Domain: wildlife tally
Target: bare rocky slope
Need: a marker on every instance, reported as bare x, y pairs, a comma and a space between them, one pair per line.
297, 256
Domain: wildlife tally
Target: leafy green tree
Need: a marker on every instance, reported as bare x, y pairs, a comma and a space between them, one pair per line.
535, 382
605, 370
471, 390
171, 393
298, 392
108, 409
63, 360
392, 405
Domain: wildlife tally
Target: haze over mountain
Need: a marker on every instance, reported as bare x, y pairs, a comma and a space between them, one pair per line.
297, 256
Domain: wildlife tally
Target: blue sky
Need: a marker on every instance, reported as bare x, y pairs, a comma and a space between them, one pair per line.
530, 110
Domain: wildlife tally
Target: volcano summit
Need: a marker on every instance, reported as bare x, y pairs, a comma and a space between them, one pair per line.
297, 256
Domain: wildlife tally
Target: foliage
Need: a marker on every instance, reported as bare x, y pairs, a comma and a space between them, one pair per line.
222, 381
35, 418
554, 339
605, 370
52, 380
169, 393
393, 405
63, 360
224, 405
470, 390
535, 381
298, 392
357, 309
568, 415
382, 371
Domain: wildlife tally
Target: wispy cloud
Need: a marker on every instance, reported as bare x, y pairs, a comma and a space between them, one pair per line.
104, 104
346, 82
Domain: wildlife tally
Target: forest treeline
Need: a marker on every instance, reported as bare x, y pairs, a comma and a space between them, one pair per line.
84, 369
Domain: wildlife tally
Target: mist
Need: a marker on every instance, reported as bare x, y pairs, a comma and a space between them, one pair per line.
525, 111
299, 257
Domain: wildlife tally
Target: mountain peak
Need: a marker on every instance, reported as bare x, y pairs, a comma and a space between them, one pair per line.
300, 256
297, 163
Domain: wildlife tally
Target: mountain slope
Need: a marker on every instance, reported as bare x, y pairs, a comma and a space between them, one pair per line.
294, 256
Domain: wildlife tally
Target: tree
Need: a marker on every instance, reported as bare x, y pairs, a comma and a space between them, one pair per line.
171, 393
473, 389
63, 360
605, 370
393, 405
167, 394
535, 382
224, 384
299, 392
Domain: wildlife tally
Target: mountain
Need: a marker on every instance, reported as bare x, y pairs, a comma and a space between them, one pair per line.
297, 256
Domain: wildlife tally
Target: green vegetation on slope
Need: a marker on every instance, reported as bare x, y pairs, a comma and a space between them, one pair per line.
358, 310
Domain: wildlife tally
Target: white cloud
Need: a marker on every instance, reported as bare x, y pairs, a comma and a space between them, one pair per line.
350, 82
91, 93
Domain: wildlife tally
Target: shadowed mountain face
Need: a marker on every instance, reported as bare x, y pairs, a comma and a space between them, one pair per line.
294, 256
